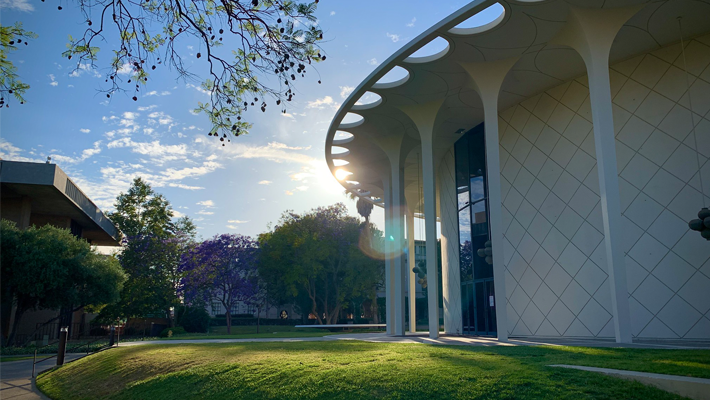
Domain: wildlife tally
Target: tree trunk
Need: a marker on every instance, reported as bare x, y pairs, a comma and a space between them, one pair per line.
229, 321
16, 323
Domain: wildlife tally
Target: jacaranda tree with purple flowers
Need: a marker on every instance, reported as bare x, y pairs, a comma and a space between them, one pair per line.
222, 269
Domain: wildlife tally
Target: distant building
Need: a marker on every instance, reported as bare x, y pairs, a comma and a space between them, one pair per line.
42, 194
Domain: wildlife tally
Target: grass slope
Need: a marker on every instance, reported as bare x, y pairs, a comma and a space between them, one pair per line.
353, 370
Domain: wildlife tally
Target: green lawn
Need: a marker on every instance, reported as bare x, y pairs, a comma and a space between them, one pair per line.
355, 370
267, 331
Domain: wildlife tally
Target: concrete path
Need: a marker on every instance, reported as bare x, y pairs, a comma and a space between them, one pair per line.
16, 377
449, 340
694, 388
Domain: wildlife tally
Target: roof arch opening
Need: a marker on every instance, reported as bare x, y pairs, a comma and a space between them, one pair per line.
395, 77
482, 21
432, 51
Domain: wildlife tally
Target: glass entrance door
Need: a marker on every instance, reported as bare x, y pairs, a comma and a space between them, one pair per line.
479, 312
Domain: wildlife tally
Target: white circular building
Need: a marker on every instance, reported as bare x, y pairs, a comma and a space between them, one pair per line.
563, 132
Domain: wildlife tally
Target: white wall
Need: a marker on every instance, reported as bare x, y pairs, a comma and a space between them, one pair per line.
556, 280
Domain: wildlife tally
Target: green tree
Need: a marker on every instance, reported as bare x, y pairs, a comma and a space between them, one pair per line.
10, 38
140, 211
318, 254
274, 43
152, 248
49, 268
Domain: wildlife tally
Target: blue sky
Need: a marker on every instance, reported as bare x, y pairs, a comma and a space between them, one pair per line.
239, 188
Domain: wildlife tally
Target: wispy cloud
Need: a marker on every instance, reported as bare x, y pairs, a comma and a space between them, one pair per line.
236, 221
393, 37
205, 212
83, 68
206, 203
85, 155
265, 182
52, 82
18, 5
325, 102
84, 130
346, 90
156, 93
372, 61
10, 152
411, 24
332, 13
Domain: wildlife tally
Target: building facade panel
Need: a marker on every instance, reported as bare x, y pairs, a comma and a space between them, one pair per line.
555, 255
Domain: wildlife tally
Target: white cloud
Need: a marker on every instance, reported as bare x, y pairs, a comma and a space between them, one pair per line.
85, 155
125, 69
85, 68
320, 104
372, 61
346, 90
288, 193
265, 182
156, 93
411, 24
236, 221
393, 37
18, 5
287, 115
186, 187
205, 212
332, 13
206, 203
274, 151
84, 130
147, 108
10, 152
198, 88
52, 81
158, 153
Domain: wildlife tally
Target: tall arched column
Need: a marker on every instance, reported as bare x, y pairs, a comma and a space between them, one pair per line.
450, 269
412, 276
389, 303
488, 78
424, 117
591, 33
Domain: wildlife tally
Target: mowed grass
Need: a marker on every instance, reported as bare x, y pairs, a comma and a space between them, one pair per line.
362, 370
266, 331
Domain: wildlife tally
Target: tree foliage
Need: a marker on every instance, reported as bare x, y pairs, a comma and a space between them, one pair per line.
153, 246
50, 268
270, 44
317, 254
222, 269
11, 37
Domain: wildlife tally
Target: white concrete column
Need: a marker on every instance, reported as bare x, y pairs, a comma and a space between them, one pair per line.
389, 304
397, 241
424, 117
488, 78
450, 249
592, 33
412, 276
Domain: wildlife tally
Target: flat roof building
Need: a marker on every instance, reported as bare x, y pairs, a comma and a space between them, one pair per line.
570, 136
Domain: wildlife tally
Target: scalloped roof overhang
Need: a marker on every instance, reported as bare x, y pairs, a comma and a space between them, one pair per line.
523, 30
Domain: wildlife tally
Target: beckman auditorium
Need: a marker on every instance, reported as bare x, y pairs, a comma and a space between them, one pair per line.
562, 147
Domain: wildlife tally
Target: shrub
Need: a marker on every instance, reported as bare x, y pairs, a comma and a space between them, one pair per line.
178, 330
195, 319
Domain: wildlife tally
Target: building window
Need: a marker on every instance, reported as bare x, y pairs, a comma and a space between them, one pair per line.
216, 307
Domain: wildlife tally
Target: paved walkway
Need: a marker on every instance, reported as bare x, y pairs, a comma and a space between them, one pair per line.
16, 382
